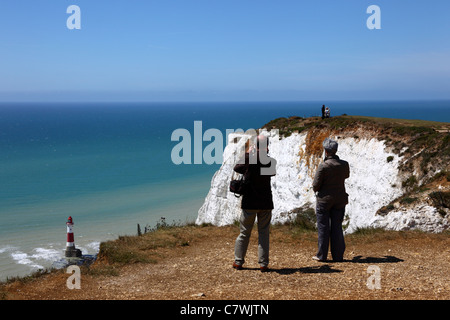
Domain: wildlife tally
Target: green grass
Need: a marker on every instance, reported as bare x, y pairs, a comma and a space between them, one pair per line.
401, 122
408, 200
441, 200
368, 231
143, 249
28, 278
425, 130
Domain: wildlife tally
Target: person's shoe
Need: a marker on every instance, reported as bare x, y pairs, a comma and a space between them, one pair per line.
237, 266
264, 269
317, 259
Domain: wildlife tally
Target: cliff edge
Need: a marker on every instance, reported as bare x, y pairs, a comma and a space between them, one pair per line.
400, 175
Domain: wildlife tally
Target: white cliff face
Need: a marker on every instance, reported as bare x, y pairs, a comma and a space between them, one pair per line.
422, 217
374, 182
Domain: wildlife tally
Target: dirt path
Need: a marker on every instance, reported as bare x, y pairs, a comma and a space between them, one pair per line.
411, 267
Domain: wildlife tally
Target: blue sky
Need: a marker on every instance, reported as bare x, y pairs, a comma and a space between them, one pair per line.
147, 50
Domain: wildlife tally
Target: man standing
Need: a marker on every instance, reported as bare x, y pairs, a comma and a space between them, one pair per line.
323, 112
331, 201
258, 169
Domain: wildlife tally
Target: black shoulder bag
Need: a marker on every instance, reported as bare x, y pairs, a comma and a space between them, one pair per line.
240, 186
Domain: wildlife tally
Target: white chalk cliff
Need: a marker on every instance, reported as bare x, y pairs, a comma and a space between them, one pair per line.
374, 182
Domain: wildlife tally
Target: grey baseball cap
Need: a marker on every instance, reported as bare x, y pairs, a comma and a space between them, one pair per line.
330, 145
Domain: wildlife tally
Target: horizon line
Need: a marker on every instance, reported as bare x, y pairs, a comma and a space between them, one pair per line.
232, 100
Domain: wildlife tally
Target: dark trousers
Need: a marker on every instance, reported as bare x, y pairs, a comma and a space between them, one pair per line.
329, 225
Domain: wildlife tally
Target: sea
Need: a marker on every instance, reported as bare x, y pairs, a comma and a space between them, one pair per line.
110, 166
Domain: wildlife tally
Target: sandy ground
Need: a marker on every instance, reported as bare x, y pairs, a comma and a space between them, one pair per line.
415, 266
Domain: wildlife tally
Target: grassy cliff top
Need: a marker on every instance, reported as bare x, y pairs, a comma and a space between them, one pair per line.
428, 141
400, 126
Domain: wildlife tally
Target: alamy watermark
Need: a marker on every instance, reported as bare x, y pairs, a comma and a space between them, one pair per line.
190, 149
74, 281
374, 21
73, 22
374, 280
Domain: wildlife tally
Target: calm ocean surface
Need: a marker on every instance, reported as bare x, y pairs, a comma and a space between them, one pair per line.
108, 165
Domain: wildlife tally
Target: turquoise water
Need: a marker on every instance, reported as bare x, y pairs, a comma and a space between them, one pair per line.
109, 167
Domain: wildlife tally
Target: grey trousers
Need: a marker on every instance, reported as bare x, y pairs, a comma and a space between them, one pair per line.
247, 220
329, 225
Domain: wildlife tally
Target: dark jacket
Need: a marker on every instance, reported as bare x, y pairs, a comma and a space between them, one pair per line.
259, 191
329, 181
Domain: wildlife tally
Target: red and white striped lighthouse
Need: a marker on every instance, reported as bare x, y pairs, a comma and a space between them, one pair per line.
71, 251
70, 241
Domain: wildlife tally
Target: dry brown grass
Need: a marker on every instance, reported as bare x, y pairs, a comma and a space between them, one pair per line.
413, 265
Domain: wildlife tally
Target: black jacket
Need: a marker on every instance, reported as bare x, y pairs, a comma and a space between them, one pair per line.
259, 191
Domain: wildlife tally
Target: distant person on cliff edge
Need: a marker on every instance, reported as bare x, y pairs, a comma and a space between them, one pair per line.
331, 197
258, 169
323, 112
